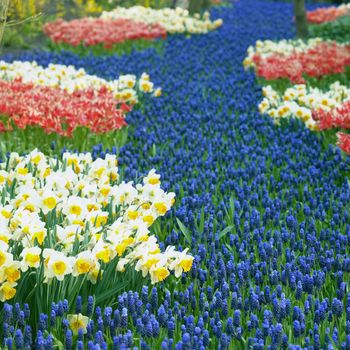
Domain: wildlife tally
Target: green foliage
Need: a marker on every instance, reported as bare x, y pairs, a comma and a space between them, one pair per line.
184, 230
23, 36
25, 140
126, 47
198, 6
338, 30
322, 82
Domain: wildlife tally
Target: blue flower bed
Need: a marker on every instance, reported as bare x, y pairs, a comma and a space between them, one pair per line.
266, 208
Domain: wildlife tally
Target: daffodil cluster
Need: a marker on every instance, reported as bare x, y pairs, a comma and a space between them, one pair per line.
300, 100
173, 20
71, 79
74, 217
266, 48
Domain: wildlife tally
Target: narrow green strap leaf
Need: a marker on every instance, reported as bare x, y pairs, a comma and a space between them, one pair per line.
184, 230
225, 231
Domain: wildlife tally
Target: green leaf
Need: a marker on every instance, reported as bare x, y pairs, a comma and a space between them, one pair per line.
229, 248
225, 231
201, 222
100, 297
58, 344
184, 230
232, 206
154, 150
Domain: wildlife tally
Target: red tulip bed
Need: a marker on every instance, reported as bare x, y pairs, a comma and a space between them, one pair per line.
124, 29
61, 105
57, 113
323, 59
103, 33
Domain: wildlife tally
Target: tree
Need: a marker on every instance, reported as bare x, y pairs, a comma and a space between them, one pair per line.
300, 18
4, 5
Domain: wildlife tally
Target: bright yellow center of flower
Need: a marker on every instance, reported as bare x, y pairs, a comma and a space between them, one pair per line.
2, 258
39, 236
36, 159
158, 93
146, 87
153, 181
83, 266
72, 162
132, 215
59, 267
22, 171
162, 273
75, 210
25, 196
100, 221
126, 95
78, 222
186, 264
30, 207
77, 169
92, 207
104, 255
113, 176
47, 172
8, 292
161, 207
76, 325
144, 238
151, 262
105, 191
94, 274
4, 238
120, 248
12, 274
6, 214
155, 251
148, 218
99, 172
50, 202
32, 259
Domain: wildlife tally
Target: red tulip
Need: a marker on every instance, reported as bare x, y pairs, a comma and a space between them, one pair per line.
344, 142
335, 118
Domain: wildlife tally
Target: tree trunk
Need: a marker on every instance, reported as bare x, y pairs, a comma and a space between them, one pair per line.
4, 4
300, 18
